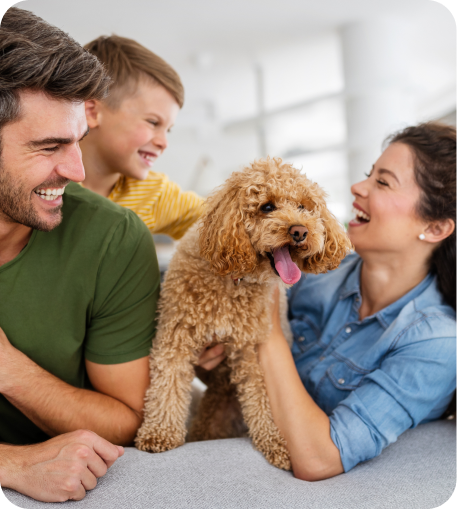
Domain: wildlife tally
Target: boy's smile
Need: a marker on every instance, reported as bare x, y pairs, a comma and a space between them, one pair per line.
149, 158
128, 139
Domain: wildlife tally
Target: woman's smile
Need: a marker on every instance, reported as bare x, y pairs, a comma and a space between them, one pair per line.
361, 217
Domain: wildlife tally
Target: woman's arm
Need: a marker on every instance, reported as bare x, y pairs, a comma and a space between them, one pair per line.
303, 424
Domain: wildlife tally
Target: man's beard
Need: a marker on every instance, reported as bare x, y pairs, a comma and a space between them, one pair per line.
16, 205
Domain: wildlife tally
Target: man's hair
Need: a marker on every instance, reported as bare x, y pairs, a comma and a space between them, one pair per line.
37, 56
127, 61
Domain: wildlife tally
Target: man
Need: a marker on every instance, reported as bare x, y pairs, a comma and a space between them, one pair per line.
79, 279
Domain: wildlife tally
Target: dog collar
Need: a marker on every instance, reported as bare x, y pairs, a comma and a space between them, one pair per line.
236, 280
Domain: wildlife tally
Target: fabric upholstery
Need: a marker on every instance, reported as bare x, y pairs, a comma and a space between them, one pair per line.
416, 472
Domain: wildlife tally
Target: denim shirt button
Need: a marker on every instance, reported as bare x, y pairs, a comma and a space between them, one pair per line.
301, 338
322, 357
341, 381
348, 330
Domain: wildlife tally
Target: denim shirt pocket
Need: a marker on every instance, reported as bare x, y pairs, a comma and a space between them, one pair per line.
305, 334
344, 377
336, 385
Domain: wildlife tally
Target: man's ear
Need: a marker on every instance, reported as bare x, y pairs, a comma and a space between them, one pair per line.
93, 113
439, 230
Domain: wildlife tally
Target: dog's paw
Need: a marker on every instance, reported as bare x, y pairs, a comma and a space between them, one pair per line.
159, 439
279, 457
275, 451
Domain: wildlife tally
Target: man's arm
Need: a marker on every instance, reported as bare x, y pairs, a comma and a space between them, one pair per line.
114, 412
62, 468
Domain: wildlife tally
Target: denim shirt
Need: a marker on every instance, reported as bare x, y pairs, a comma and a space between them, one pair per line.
375, 377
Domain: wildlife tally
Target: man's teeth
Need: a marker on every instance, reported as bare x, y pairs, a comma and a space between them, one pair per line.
359, 214
50, 194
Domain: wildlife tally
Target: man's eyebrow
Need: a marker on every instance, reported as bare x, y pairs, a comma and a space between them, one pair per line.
54, 141
384, 171
49, 141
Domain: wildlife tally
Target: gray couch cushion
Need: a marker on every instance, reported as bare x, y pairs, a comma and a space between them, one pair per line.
416, 472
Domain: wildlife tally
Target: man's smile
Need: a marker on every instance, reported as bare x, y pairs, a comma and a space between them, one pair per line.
51, 194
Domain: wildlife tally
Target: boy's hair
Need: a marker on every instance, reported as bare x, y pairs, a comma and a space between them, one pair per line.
126, 61
40, 57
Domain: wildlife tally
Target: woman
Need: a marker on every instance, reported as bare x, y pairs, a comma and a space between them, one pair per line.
374, 340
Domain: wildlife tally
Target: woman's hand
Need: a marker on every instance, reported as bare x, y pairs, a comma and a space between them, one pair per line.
276, 331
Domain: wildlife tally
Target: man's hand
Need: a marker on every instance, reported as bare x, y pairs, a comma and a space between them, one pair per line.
63, 468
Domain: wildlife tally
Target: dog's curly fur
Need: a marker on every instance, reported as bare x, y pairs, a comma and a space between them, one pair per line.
200, 303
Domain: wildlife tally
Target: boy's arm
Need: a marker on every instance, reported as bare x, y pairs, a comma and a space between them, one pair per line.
176, 211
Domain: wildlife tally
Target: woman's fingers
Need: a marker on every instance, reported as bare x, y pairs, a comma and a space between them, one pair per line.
275, 302
275, 318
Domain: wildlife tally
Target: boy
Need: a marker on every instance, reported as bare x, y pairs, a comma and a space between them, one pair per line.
128, 132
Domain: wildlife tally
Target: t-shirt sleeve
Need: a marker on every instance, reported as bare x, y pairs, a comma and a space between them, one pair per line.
176, 210
413, 381
122, 320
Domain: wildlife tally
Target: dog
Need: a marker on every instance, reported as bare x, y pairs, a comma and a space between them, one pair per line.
265, 226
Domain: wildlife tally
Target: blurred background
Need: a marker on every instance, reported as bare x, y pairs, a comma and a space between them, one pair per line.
318, 83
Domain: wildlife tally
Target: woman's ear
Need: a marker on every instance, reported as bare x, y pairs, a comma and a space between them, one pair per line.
223, 238
336, 246
437, 231
93, 113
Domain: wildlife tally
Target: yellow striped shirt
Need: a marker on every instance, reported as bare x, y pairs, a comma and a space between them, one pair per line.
159, 202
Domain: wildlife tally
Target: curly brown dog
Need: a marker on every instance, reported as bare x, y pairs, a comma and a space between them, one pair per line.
264, 226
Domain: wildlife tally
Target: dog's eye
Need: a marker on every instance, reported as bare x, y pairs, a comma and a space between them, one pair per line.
267, 207
301, 207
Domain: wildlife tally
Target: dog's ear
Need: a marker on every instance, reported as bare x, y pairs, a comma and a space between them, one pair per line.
336, 246
223, 238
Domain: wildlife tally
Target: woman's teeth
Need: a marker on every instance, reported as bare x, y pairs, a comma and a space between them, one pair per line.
360, 215
50, 194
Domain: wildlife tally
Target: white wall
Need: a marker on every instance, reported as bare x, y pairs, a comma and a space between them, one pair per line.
297, 48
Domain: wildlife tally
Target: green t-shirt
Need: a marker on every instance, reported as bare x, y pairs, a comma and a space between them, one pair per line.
86, 290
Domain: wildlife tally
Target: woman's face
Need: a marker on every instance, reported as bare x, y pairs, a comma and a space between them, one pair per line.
385, 205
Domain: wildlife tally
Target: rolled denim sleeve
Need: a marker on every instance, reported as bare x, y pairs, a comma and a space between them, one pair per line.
414, 383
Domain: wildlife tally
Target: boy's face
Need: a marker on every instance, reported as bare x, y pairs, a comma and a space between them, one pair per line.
129, 139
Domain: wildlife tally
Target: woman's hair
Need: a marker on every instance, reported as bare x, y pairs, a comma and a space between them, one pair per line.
127, 61
434, 148
37, 56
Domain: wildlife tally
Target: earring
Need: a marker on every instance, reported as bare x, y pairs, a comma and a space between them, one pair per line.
422, 236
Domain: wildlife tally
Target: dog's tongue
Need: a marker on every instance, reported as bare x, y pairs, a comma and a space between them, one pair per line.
286, 268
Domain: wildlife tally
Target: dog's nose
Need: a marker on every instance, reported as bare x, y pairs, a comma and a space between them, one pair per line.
298, 233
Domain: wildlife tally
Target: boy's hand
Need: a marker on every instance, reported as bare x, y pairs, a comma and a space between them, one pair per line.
211, 356
62, 468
